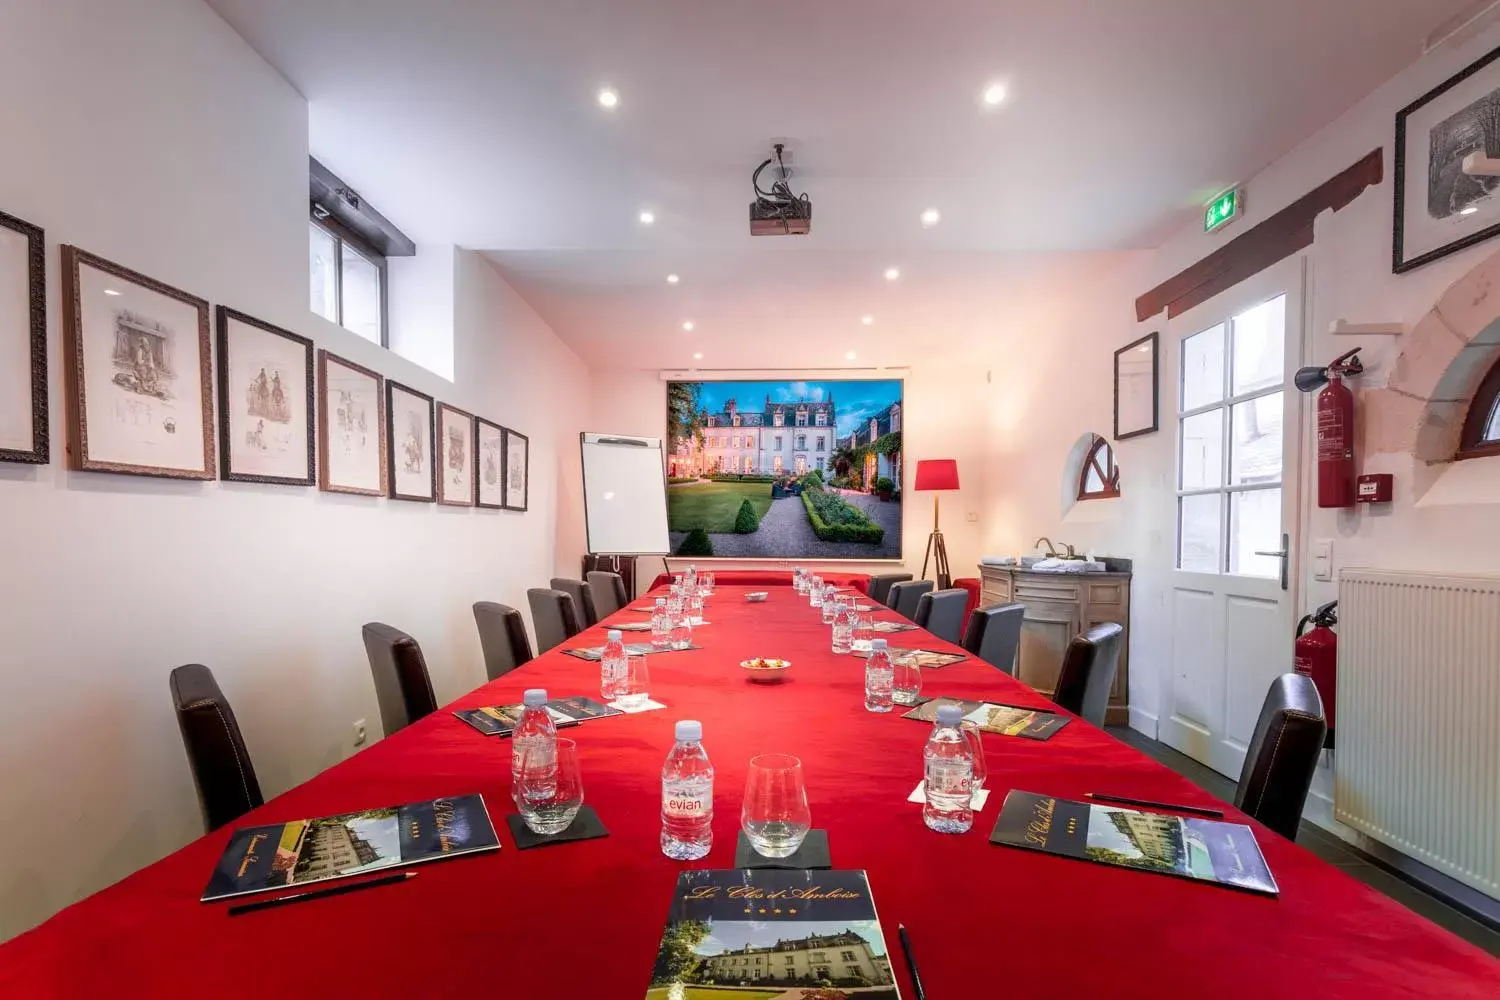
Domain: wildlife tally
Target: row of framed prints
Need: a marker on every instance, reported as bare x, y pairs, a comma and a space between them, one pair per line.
140, 383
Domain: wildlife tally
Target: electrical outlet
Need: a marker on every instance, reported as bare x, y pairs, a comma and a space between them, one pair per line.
359, 732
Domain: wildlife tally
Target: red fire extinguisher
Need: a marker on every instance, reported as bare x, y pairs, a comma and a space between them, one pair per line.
1335, 428
1315, 654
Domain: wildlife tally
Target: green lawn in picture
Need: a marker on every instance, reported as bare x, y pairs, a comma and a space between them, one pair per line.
713, 992
713, 506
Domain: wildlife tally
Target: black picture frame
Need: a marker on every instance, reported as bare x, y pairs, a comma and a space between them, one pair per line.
391, 388
479, 501
506, 435
223, 316
1399, 263
1153, 340
40, 452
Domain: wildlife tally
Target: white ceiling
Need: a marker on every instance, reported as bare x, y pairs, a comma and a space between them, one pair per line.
475, 122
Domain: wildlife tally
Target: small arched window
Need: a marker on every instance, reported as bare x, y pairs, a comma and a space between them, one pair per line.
1100, 478
1481, 435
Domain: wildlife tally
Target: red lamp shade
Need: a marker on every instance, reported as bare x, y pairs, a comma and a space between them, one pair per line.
937, 474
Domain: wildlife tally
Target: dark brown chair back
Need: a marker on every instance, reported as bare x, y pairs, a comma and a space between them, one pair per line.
880, 586
227, 788
502, 636
583, 599
994, 635
402, 685
903, 597
1283, 754
553, 616
941, 612
608, 590
1088, 671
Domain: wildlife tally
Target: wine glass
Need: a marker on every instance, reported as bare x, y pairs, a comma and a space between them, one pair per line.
634, 687
775, 816
550, 788
975, 737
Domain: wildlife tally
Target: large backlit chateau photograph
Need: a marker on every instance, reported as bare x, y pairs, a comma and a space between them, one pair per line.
783, 470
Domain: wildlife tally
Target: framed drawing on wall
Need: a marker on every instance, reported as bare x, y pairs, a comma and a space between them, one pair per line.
139, 372
1137, 387
265, 403
517, 470
23, 343
489, 464
1445, 200
351, 428
455, 441
408, 432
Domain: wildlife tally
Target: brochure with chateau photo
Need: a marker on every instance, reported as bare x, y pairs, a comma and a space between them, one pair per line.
1007, 720
596, 653
260, 858
500, 720
781, 932
1202, 849
927, 659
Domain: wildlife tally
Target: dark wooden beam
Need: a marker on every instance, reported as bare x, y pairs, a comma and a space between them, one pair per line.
347, 208
1277, 238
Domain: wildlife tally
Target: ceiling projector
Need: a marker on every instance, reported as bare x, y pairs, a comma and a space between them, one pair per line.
778, 212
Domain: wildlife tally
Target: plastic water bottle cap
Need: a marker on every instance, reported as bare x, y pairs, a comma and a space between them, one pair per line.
614, 635
689, 729
534, 697
878, 645
949, 715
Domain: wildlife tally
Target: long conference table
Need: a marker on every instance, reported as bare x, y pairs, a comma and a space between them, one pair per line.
583, 919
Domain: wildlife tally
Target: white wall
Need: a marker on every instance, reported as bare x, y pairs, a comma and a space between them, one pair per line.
151, 134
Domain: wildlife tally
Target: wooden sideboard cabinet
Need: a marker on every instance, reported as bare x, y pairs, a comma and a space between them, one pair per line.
1058, 607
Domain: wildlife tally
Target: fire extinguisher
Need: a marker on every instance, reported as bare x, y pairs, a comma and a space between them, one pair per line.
1335, 427
1315, 654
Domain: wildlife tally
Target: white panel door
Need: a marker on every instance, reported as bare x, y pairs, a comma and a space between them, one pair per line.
1238, 430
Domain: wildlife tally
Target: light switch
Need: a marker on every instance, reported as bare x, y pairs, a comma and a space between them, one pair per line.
973, 515
1322, 553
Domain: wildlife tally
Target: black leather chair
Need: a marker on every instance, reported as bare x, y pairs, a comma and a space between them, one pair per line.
1088, 671
608, 590
1283, 754
402, 685
880, 586
554, 617
583, 599
941, 612
502, 636
903, 597
227, 788
994, 635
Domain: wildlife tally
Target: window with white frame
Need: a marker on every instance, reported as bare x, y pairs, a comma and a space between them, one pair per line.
1230, 444
801, 418
822, 418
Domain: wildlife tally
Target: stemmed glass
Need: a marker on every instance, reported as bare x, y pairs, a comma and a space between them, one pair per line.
775, 816
550, 788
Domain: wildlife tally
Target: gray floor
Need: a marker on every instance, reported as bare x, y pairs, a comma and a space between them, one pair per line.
1330, 848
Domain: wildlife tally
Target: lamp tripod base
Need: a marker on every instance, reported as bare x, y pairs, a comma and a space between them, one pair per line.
936, 548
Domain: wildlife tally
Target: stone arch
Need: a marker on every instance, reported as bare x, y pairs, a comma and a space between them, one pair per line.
1420, 411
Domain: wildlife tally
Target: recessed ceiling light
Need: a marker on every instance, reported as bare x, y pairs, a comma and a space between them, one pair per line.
1470, 210
688, 325
111, 291
672, 279
647, 218
608, 97
698, 356
931, 217
994, 95
848, 355
867, 320
892, 273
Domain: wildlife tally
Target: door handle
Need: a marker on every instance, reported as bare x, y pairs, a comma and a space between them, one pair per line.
1282, 554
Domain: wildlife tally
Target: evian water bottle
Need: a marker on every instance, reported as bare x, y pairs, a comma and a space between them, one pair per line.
687, 796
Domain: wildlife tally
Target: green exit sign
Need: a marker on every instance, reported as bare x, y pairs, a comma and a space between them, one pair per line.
1222, 210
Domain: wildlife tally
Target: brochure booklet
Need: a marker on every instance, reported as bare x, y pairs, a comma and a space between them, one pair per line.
1203, 849
259, 858
596, 653
500, 720
781, 931
927, 659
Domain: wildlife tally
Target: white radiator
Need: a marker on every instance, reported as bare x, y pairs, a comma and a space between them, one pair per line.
1418, 755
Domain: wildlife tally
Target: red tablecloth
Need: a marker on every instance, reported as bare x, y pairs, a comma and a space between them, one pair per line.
771, 578
583, 920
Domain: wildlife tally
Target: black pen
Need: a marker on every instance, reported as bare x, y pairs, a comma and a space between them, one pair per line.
311, 894
911, 963
1148, 804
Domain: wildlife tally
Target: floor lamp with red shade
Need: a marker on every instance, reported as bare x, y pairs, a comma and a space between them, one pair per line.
935, 474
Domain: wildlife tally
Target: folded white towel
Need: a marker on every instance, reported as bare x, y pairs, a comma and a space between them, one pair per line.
997, 561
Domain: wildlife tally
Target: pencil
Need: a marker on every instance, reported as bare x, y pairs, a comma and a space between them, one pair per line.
311, 894
911, 962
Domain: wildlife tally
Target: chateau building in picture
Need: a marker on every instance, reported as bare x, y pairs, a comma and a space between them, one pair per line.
841, 958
